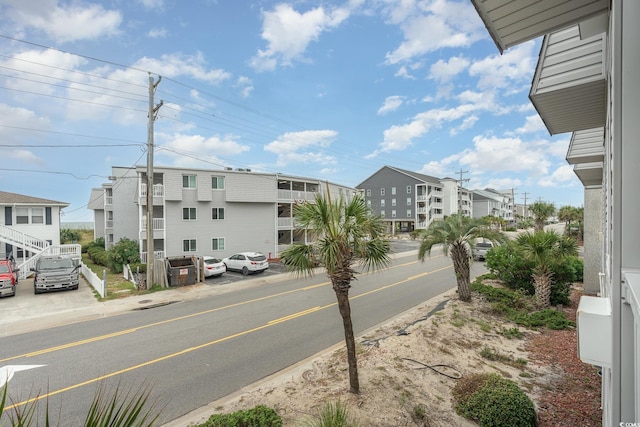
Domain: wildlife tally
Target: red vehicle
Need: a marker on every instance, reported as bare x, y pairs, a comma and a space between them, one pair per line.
8, 278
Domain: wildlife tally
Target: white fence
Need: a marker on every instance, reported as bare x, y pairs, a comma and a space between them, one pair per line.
99, 284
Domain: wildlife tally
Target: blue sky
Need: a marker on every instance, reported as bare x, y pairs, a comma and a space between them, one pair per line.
331, 90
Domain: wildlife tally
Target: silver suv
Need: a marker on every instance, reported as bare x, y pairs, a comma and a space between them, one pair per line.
55, 272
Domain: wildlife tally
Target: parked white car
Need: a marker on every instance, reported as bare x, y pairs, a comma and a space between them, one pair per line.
247, 262
213, 267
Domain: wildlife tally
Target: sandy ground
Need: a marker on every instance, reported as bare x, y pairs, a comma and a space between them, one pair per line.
397, 386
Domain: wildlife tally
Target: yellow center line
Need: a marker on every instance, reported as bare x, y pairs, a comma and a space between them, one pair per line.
217, 341
175, 319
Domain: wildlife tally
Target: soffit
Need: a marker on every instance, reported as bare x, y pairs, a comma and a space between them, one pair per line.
586, 146
513, 22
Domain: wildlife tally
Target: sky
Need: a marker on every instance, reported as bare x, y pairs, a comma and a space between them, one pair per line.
330, 90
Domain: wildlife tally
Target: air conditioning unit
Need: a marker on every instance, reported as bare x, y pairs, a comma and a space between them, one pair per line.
595, 332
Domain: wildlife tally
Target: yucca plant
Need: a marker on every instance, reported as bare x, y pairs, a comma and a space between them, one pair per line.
131, 409
332, 414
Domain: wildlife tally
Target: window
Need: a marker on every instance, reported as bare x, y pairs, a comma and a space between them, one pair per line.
217, 182
382, 191
217, 213
408, 201
188, 181
189, 245
368, 192
22, 215
408, 213
217, 244
393, 202
37, 215
393, 190
369, 203
382, 214
408, 189
393, 213
382, 203
189, 214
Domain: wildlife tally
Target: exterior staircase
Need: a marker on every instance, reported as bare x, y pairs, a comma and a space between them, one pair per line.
35, 246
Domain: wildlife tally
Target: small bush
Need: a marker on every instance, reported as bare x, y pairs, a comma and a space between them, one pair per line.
332, 414
259, 416
491, 400
126, 251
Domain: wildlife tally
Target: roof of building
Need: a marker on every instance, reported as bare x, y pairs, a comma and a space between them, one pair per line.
7, 198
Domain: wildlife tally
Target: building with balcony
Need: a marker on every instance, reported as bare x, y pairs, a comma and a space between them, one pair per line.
409, 200
490, 202
205, 211
30, 227
586, 82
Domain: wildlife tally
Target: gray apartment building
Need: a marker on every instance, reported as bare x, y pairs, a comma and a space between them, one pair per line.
409, 200
205, 211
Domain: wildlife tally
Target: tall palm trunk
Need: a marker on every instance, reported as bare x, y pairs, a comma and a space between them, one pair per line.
542, 284
461, 267
342, 295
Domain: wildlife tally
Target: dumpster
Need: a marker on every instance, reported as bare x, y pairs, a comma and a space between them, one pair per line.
181, 271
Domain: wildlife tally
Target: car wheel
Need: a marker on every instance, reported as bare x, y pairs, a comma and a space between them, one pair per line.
245, 271
36, 291
75, 288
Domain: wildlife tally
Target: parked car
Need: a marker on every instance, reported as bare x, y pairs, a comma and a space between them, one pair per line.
55, 272
481, 249
247, 262
8, 278
213, 267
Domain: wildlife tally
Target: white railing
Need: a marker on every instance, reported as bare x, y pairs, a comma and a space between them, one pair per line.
21, 239
630, 348
421, 198
157, 255
158, 190
108, 223
285, 222
158, 223
294, 195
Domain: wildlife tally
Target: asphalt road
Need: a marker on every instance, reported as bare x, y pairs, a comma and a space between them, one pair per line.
192, 353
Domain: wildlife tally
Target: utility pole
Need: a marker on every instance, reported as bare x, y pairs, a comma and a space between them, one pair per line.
514, 210
526, 213
153, 111
460, 182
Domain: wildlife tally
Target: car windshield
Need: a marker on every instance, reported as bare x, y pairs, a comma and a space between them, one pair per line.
484, 245
257, 257
4, 268
212, 261
54, 264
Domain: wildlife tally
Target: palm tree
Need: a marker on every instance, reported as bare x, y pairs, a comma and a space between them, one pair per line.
566, 214
541, 212
457, 234
345, 234
545, 249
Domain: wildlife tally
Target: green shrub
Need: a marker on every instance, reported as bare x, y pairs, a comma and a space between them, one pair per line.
509, 266
126, 251
259, 416
332, 414
69, 236
98, 255
491, 400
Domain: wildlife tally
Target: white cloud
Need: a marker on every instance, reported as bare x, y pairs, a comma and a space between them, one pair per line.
177, 64
157, 33
391, 103
431, 25
562, 175
532, 124
65, 23
493, 155
188, 150
404, 73
444, 71
496, 71
288, 33
245, 84
289, 147
152, 4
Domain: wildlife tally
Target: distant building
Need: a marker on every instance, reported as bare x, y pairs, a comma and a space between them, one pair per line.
205, 211
28, 226
409, 200
490, 202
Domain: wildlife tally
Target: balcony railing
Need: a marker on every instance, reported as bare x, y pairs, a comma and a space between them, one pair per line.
285, 222
158, 190
108, 200
158, 223
156, 255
